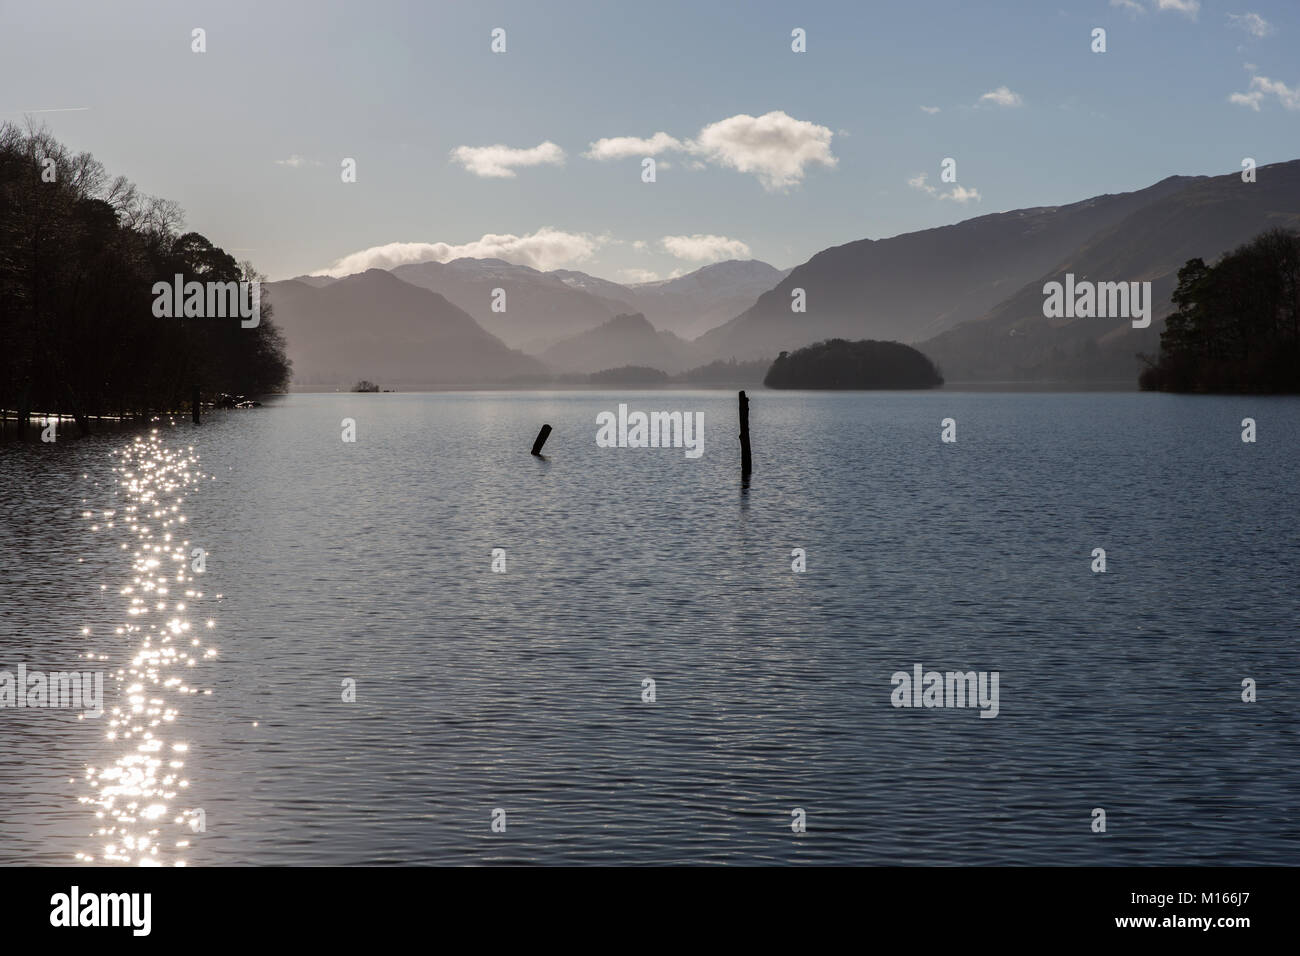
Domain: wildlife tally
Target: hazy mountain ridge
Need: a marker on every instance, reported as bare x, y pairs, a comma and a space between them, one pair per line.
969, 294
1211, 216
373, 325
541, 308
692, 304
623, 340
915, 285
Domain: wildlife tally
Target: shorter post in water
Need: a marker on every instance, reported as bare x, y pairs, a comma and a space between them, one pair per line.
746, 463
542, 435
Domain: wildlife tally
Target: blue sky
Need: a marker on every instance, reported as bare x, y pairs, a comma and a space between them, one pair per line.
249, 136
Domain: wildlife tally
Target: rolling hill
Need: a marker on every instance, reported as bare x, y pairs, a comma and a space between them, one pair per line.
911, 287
375, 326
1210, 216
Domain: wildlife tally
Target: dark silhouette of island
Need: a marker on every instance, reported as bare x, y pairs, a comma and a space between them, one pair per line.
80, 252
840, 364
1237, 323
365, 385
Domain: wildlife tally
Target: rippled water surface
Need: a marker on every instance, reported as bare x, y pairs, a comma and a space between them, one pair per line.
370, 561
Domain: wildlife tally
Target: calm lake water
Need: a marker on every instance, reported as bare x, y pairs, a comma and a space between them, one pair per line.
371, 561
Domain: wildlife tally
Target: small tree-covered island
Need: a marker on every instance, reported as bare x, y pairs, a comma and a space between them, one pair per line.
840, 364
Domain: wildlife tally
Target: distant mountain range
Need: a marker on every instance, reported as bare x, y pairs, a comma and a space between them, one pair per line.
568, 318
1206, 218
914, 286
968, 296
623, 340
375, 326
539, 308
692, 304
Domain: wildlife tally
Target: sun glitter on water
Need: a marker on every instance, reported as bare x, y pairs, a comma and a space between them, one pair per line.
139, 799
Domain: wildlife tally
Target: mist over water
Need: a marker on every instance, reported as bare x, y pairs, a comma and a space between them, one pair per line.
371, 561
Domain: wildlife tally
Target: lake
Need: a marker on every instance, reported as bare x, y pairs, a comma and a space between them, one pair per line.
334, 569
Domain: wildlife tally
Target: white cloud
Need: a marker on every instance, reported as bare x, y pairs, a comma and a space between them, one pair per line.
499, 162
930, 109
1252, 23
296, 162
958, 194
638, 275
1189, 7
702, 248
1261, 86
544, 249
775, 147
918, 182
625, 147
1002, 96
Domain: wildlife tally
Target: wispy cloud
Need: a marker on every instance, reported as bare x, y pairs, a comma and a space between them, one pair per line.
774, 147
547, 248
1002, 96
500, 162
961, 194
1189, 7
1262, 86
1252, 23
930, 109
625, 147
638, 275
296, 162
958, 194
705, 248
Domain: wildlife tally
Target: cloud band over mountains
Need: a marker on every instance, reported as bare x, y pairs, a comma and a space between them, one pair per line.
545, 249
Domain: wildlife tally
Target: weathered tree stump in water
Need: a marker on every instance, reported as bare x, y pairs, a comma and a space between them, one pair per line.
746, 463
542, 435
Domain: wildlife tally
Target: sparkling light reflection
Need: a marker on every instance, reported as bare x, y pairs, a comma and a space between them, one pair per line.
137, 800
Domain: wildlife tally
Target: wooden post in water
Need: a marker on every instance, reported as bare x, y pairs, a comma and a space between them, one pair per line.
194, 404
542, 435
746, 463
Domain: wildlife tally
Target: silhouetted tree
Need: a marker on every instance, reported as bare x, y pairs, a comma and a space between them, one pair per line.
79, 254
1237, 323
